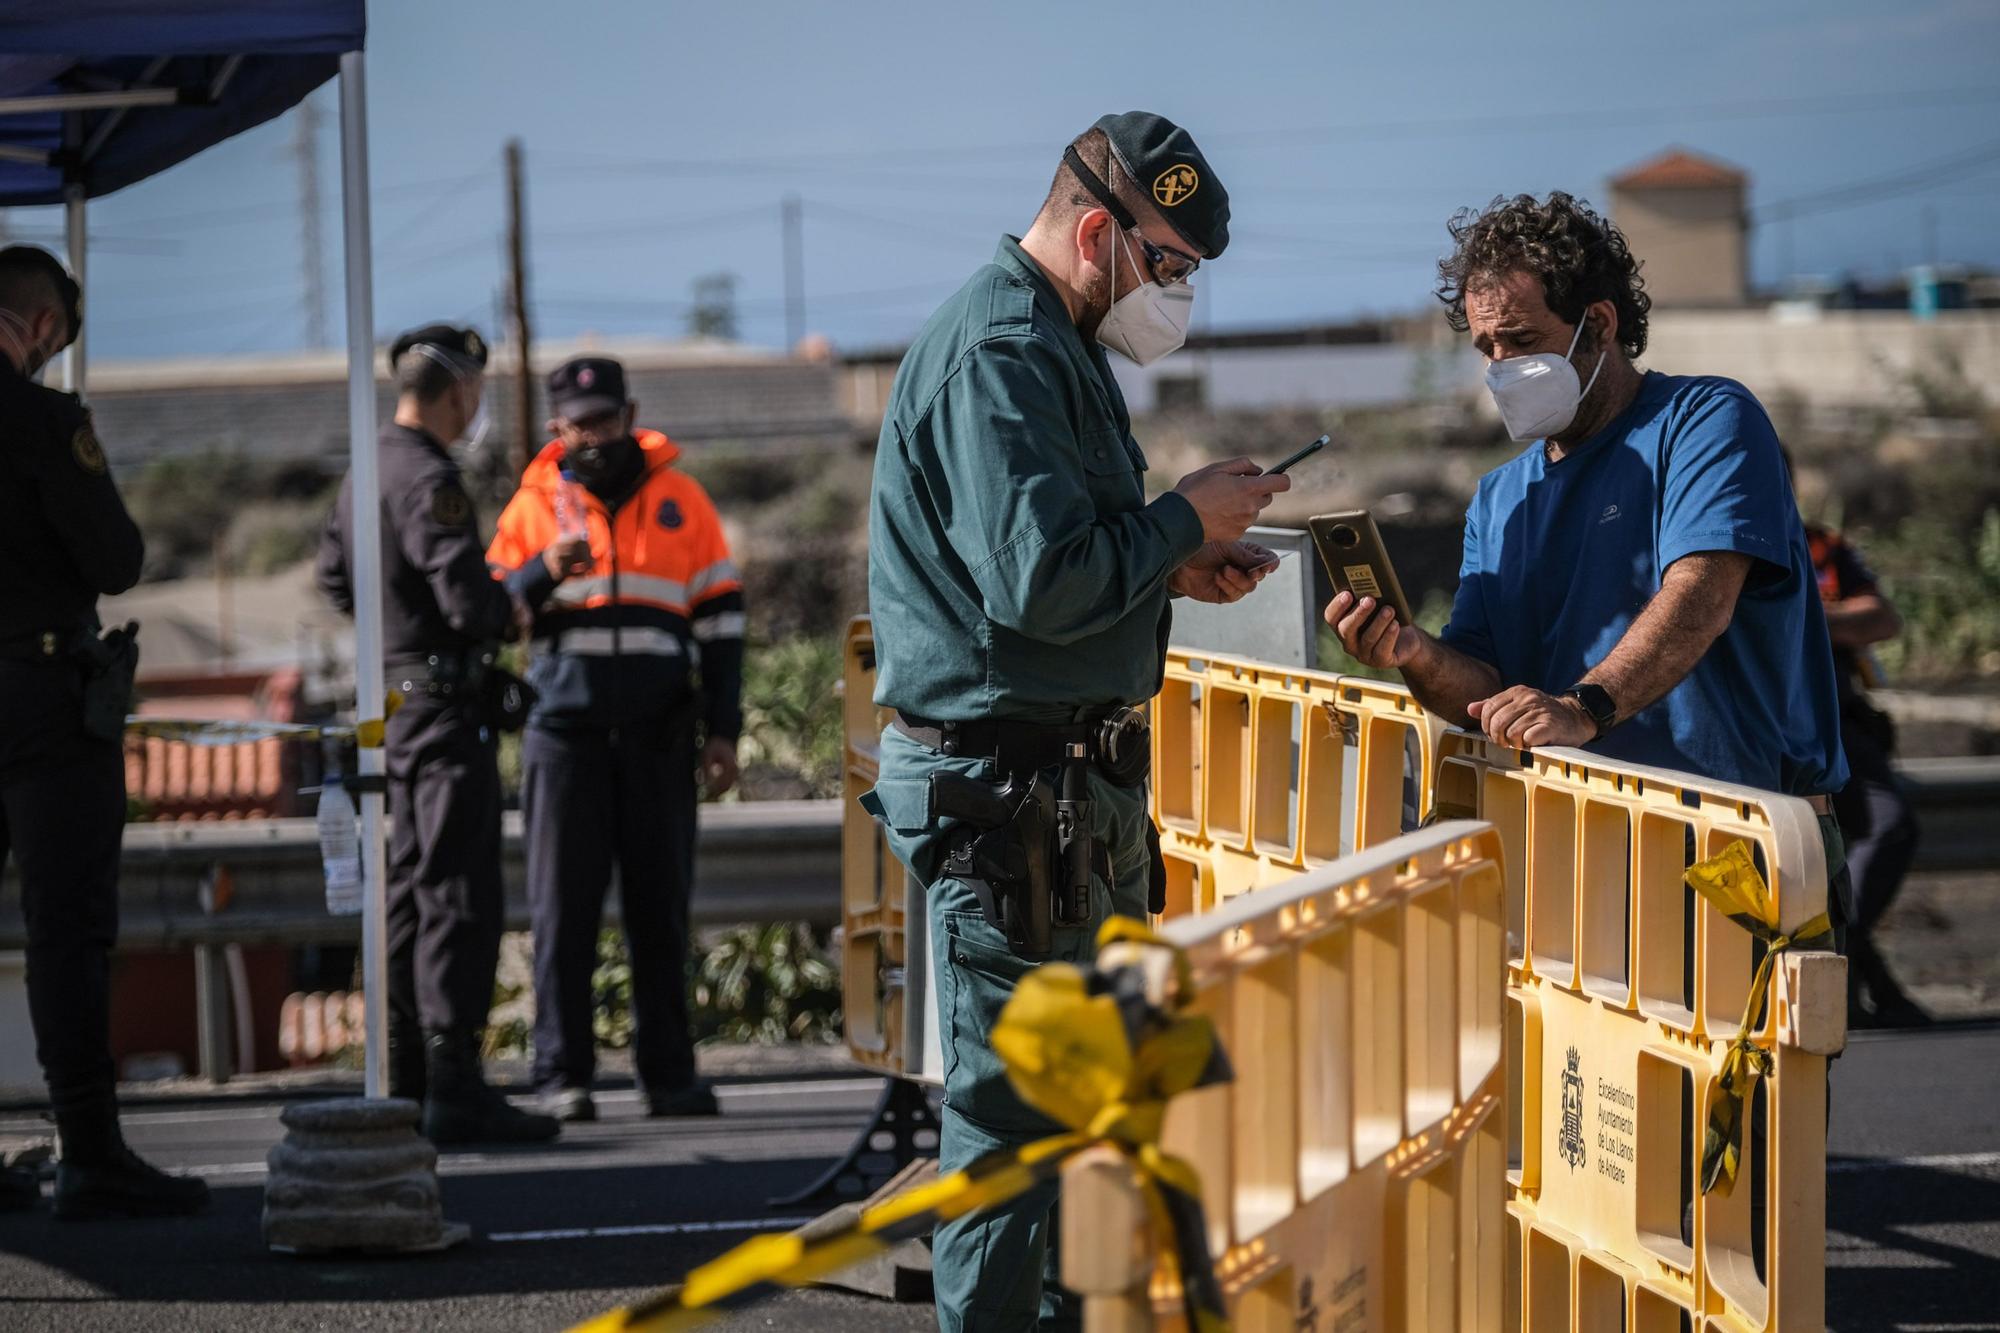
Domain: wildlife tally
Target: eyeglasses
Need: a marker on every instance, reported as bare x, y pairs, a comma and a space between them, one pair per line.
1168, 266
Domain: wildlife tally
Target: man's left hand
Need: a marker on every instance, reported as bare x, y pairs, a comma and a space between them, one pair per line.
1523, 718
1222, 572
718, 766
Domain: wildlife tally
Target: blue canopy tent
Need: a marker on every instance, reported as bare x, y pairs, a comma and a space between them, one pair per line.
98, 94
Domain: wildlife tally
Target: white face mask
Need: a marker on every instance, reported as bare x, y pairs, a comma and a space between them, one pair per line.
1148, 322
1538, 395
16, 334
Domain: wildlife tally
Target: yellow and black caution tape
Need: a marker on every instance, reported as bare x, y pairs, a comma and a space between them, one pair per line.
367, 733
1731, 883
1101, 1052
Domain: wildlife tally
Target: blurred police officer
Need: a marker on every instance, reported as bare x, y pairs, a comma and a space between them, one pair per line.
1019, 581
638, 646
65, 539
443, 615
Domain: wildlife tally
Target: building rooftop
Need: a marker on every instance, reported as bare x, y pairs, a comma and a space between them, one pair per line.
1679, 169
330, 365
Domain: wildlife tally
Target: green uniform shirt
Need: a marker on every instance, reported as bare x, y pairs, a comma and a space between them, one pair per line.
1015, 569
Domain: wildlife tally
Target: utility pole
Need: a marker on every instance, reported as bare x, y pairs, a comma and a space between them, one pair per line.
517, 299
1930, 219
795, 276
305, 149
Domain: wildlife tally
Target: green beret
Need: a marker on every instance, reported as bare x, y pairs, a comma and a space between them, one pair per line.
1161, 158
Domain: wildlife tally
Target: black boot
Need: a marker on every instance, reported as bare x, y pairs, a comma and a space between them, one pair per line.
98, 1176
463, 1107
406, 1060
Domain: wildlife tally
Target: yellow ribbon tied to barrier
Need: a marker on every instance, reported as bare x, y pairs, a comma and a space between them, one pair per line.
368, 733
1101, 1052
1732, 884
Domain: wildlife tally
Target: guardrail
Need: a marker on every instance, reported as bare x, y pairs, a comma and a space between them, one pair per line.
199, 883
757, 861
1955, 800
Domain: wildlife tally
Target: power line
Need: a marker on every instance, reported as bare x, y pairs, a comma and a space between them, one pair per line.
654, 227
212, 217
452, 192
127, 245
1374, 128
1881, 187
873, 297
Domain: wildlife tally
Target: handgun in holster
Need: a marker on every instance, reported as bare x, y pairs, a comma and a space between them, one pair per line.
1001, 851
109, 664
1027, 854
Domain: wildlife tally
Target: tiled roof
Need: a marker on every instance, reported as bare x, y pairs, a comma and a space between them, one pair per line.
1679, 169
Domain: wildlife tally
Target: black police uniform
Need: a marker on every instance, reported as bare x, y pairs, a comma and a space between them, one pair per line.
442, 614
65, 539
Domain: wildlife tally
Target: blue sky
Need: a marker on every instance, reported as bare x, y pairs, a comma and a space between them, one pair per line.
660, 139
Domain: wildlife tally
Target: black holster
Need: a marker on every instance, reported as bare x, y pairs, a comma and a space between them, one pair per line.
109, 663
508, 698
1001, 849
1027, 855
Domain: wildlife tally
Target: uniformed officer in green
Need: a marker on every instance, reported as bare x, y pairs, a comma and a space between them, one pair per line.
1019, 582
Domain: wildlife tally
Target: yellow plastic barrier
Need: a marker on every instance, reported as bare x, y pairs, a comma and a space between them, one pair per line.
1261, 771
1625, 992
1353, 1174
881, 1007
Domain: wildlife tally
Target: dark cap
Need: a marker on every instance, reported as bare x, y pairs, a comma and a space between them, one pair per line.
586, 386
462, 351
1162, 160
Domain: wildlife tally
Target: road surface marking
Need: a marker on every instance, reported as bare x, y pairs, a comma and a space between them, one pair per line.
653, 1229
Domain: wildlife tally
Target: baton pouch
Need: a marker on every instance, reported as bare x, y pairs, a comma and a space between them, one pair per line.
109, 662
1156, 871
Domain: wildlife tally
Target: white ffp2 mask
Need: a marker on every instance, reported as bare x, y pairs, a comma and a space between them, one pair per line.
1538, 395
1149, 321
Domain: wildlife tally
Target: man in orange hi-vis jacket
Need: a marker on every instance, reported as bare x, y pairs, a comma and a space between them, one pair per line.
638, 649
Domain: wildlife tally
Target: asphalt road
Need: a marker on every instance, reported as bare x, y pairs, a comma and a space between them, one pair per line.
620, 1207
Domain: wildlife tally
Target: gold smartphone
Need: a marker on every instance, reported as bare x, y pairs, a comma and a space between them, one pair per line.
1357, 562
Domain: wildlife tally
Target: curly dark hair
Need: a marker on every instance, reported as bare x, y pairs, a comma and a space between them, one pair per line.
1579, 256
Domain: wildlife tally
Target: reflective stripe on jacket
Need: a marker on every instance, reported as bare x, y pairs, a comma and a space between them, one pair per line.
656, 621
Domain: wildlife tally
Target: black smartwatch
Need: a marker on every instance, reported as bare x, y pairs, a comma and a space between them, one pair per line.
1595, 700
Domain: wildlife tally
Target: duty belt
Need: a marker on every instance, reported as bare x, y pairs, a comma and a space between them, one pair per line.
44, 645
441, 675
1117, 741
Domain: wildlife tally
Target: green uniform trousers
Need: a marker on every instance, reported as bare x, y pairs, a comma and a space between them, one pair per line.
995, 1273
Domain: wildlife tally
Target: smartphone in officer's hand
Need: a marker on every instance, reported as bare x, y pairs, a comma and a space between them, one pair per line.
1356, 561
1300, 456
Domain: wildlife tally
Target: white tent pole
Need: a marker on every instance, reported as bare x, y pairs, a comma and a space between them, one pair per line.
77, 241
366, 554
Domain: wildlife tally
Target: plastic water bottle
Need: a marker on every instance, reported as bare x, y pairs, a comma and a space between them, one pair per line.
570, 520
339, 847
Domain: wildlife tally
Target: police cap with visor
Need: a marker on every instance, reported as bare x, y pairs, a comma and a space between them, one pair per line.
461, 351
587, 386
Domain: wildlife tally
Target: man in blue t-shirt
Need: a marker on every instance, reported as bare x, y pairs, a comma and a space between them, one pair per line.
1636, 581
